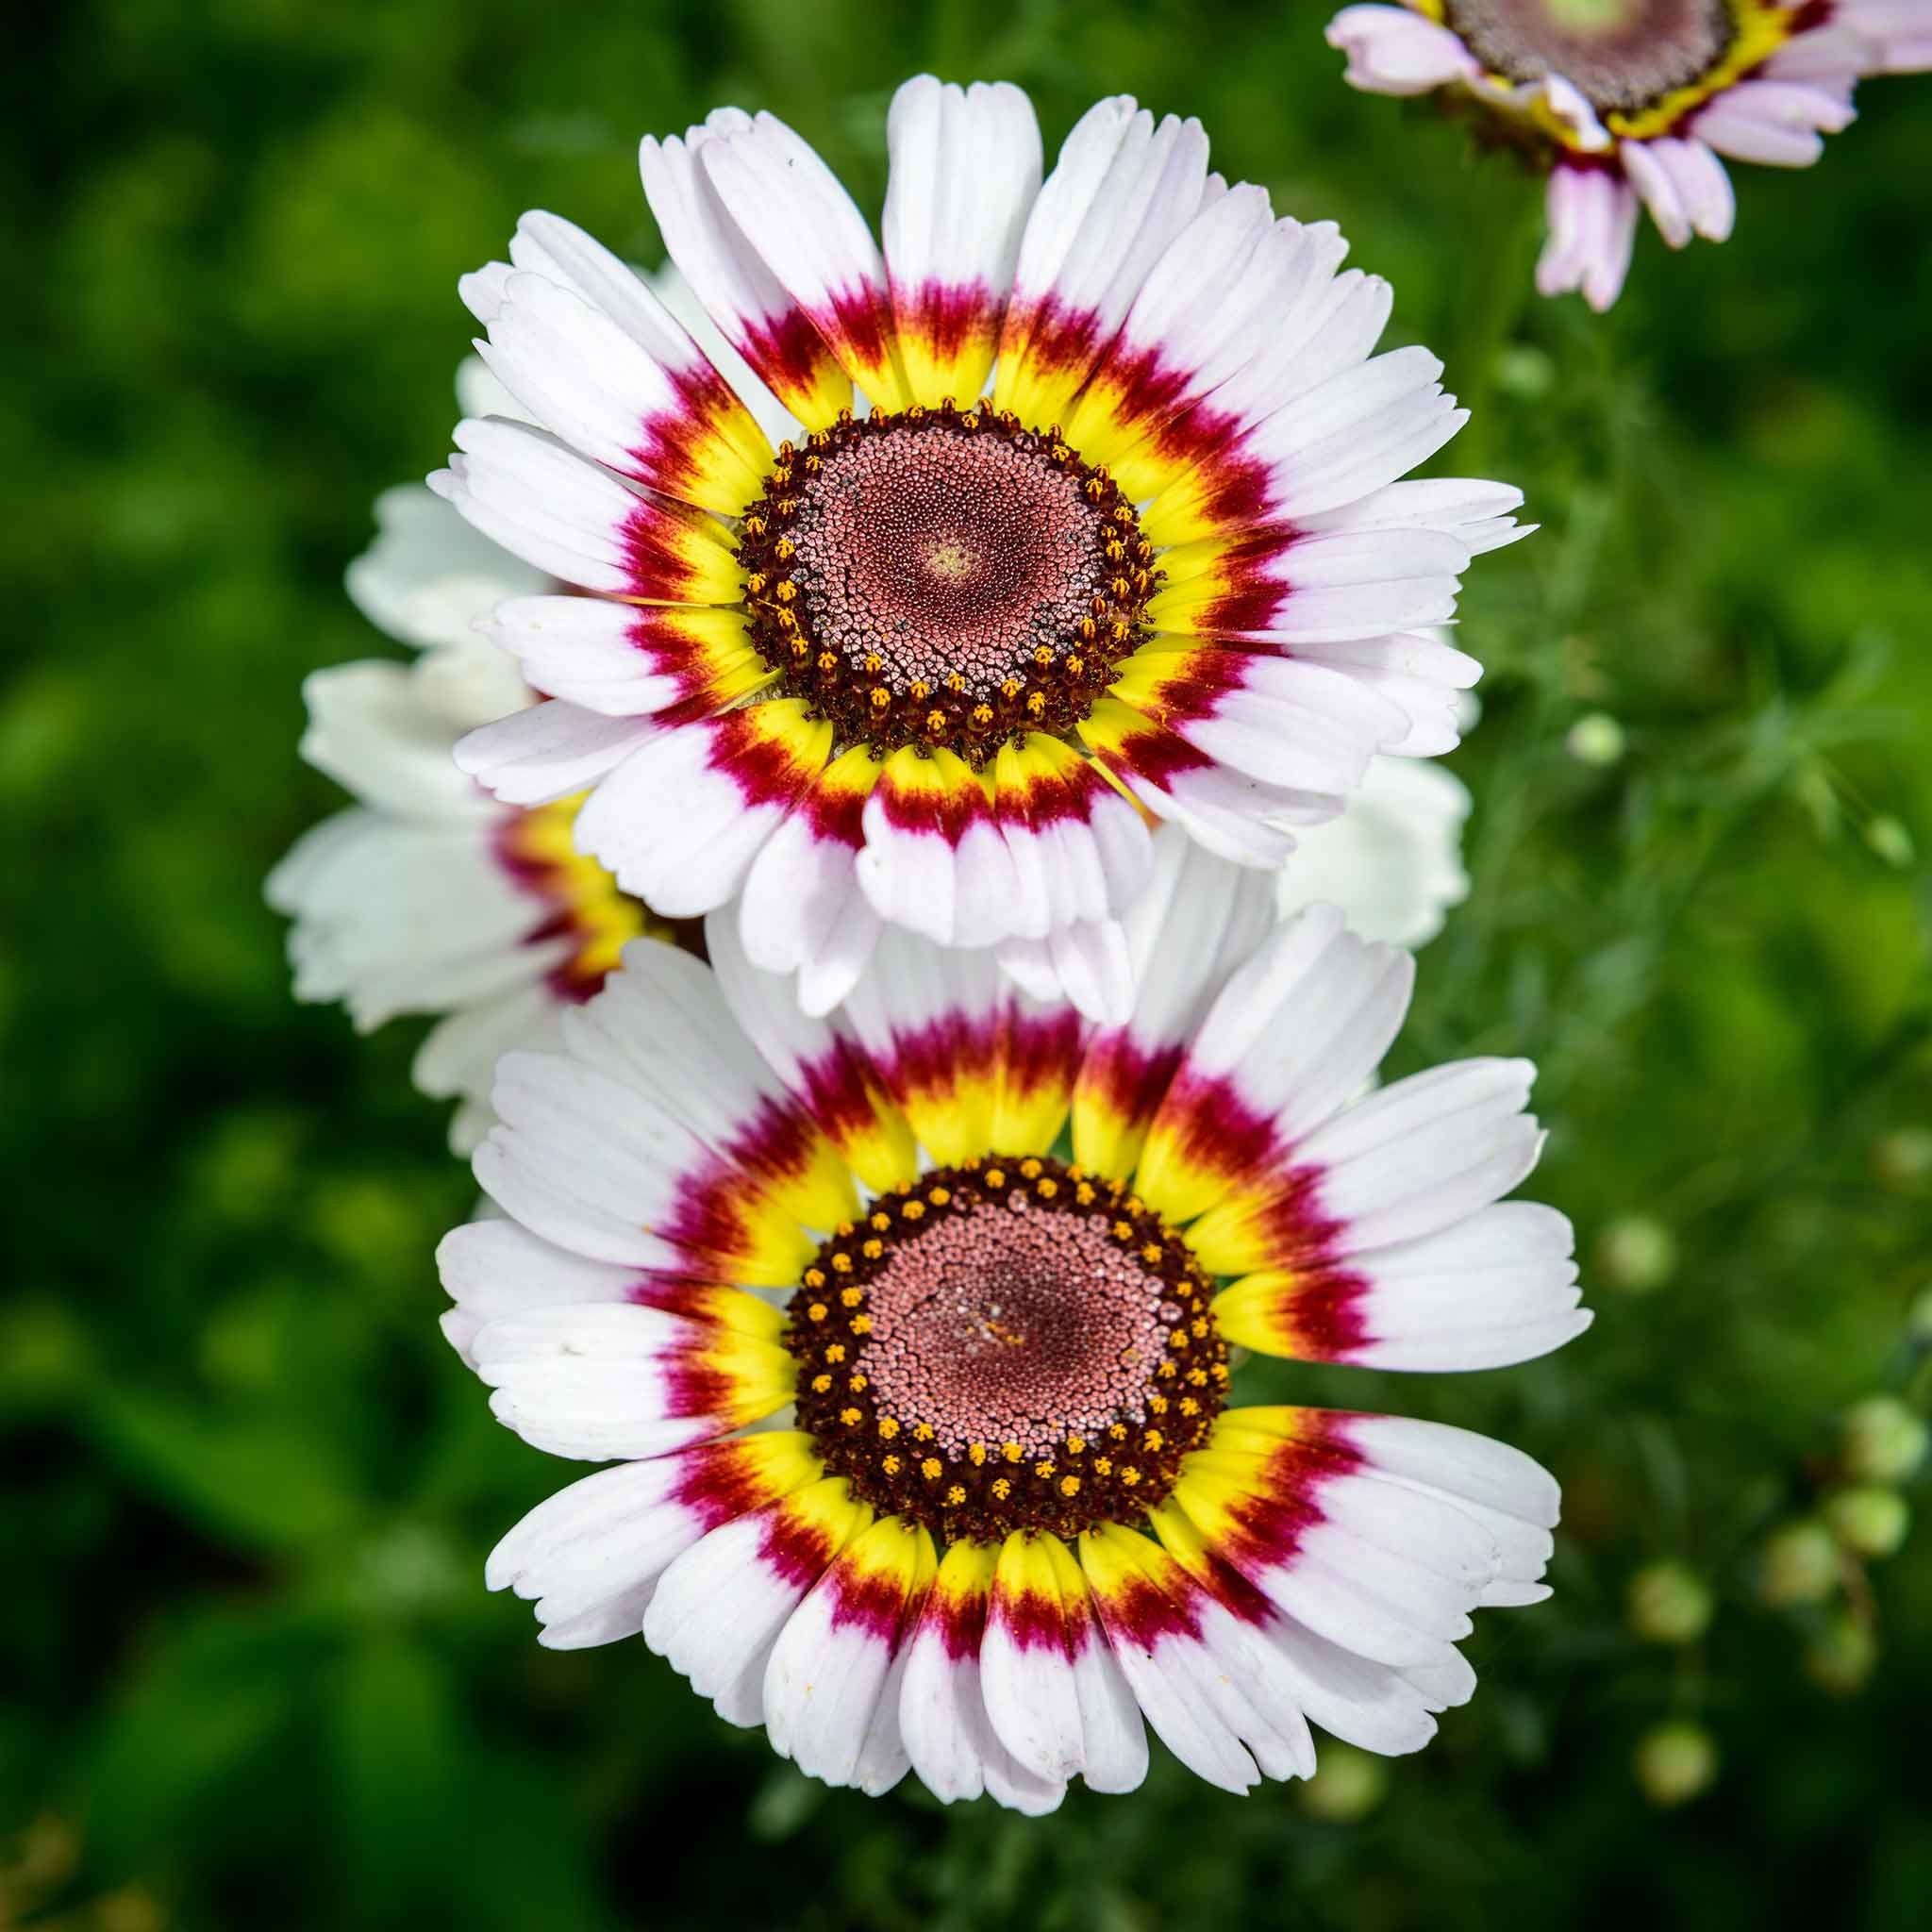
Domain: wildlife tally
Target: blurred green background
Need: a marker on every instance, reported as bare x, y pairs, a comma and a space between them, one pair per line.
253, 1678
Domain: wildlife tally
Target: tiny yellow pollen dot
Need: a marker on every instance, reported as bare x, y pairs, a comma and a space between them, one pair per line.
872, 1249
995, 1177
914, 1210
881, 1221
1167, 1370
1197, 1377
1199, 1325
1178, 1338
888, 1426
814, 1277
890, 1464
976, 1453
841, 1263
1122, 1230
859, 1384
1075, 1445
861, 1325
851, 1297
1002, 1488
1084, 1193
817, 1311
850, 1417
820, 1384
1152, 1440
1012, 1451
919, 691
932, 1469
1116, 1432
836, 1354
1042, 1469
1046, 1187
1157, 1404
1151, 1253
939, 1197
922, 1432
1130, 1475
1070, 1486
1102, 1465
1188, 1406
956, 1495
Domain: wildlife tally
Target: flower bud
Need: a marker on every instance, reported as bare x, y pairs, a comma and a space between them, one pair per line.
1883, 1440
1596, 738
1841, 1656
1903, 1159
1891, 841
1870, 1520
1348, 1785
1801, 1565
1674, 1762
1637, 1254
1669, 1603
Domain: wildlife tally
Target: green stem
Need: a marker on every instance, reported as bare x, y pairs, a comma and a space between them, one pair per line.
1499, 281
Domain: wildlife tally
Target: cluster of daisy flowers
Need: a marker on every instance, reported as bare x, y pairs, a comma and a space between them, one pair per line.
888, 720
1629, 102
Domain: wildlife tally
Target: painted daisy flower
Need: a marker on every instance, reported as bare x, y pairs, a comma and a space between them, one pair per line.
908, 1332
1093, 512
1633, 100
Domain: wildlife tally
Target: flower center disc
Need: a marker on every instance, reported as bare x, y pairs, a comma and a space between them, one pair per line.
1619, 55
944, 578
1008, 1345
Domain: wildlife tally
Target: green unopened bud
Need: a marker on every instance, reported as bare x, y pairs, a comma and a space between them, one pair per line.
1919, 1321
1669, 1603
1596, 738
1800, 1564
1883, 1440
1675, 1762
1870, 1520
1903, 1159
1637, 1254
1841, 1657
1348, 1785
1888, 837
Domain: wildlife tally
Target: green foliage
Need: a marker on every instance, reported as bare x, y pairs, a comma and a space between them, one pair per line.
254, 1677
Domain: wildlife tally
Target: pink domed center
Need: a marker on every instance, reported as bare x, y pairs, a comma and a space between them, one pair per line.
1619, 55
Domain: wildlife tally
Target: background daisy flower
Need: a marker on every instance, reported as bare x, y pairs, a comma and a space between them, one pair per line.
1629, 100
1093, 512
909, 1333
429, 895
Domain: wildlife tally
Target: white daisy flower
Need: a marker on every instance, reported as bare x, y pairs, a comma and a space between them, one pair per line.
1092, 502
924, 1457
429, 897
1392, 861
1636, 100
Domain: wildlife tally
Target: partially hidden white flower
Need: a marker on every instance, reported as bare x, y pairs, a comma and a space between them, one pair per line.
1633, 101
427, 896
927, 1449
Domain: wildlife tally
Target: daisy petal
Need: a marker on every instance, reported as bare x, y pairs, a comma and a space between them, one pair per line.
832, 1680
741, 293
589, 1557
965, 170
719, 1608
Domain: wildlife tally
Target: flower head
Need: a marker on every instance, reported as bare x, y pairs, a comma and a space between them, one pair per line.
1091, 513
1636, 100
911, 1328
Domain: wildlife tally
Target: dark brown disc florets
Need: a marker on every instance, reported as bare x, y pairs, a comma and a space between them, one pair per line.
1009, 1344
944, 578
1623, 56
